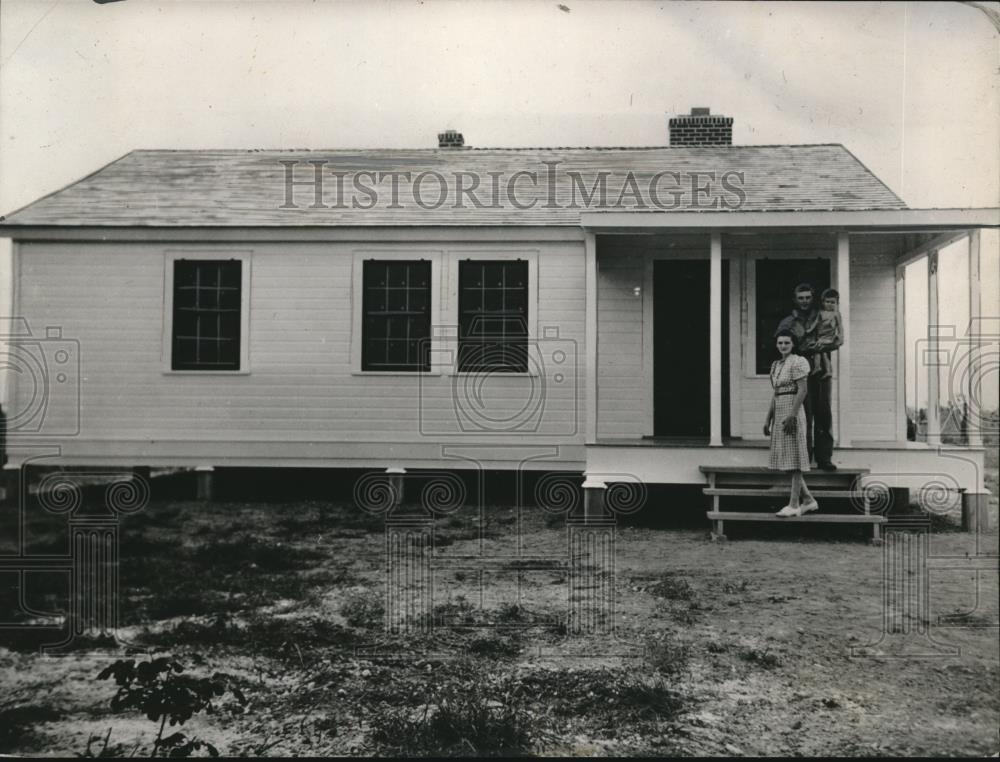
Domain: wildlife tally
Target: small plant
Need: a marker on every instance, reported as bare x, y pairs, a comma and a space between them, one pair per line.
159, 690
461, 720
494, 647
740, 586
668, 657
363, 610
672, 588
763, 657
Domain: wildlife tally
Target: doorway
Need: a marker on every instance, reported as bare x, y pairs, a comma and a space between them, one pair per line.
681, 373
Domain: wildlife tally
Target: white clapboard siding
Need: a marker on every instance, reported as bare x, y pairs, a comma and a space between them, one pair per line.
300, 388
621, 382
872, 334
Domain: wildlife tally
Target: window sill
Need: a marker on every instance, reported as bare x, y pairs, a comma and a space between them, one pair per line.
397, 373
524, 374
206, 372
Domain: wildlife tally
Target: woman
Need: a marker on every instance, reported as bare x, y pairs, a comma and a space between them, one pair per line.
789, 377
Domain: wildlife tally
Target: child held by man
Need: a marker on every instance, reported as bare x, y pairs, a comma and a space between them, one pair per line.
828, 333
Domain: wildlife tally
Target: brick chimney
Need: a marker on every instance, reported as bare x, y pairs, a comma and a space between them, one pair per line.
700, 128
450, 139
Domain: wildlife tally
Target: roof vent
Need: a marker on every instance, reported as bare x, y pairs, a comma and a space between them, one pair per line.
700, 128
450, 139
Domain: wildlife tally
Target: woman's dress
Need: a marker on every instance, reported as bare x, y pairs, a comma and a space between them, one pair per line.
789, 452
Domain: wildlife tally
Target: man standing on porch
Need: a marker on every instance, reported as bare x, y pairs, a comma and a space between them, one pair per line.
819, 413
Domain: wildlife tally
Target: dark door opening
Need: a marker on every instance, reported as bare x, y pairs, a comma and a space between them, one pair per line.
681, 373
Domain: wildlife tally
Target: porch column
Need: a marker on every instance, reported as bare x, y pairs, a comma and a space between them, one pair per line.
973, 395
931, 356
591, 333
844, 434
715, 341
901, 368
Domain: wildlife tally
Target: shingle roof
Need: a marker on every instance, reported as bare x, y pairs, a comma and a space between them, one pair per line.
248, 188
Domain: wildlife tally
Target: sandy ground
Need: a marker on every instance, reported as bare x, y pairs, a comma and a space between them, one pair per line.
759, 641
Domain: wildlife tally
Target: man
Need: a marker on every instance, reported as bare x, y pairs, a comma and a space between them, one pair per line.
819, 415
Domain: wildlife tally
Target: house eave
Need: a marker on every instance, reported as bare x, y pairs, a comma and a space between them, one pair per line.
888, 220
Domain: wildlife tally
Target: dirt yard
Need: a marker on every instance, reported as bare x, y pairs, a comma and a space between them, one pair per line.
735, 648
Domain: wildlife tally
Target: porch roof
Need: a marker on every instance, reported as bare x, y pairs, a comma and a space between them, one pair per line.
887, 220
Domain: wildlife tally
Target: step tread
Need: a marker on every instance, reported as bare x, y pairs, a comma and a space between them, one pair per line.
819, 518
780, 491
766, 470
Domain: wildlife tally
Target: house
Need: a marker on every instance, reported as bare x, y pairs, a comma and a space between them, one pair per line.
603, 311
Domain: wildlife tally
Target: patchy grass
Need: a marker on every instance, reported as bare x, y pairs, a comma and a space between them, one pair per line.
666, 655
762, 657
672, 588
363, 610
287, 597
476, 719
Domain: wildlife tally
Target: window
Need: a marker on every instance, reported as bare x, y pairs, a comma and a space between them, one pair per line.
207, 314
493, 316
775, 283
396, 308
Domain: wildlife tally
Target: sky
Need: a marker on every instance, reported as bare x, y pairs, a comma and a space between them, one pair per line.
910, 88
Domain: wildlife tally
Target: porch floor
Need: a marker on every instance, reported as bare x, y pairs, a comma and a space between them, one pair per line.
737, 442
680, 442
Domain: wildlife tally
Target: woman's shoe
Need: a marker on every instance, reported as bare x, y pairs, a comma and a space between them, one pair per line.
812, 505
789, 511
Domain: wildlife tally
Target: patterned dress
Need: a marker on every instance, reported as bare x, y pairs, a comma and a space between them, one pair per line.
788, 451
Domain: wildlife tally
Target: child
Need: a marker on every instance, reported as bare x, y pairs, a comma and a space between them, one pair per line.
829, 333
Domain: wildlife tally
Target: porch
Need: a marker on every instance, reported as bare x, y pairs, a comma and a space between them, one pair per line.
644, 425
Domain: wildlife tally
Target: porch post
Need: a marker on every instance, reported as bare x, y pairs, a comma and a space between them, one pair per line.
901, 353
844, 353
715, 341
931, 356
973, 395
591, 334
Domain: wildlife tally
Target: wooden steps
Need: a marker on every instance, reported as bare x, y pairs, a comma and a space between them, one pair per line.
782, 492
844, 485
809, 518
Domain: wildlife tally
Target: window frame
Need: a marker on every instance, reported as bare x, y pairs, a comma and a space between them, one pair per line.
366, 264
750, 285
167, 340
488, 255
413, 254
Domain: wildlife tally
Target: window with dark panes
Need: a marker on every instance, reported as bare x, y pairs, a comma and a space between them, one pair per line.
207, 314
493, 316
776, 282
396, 327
